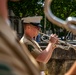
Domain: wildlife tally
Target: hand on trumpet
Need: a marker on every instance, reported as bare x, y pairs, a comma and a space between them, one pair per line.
53, 39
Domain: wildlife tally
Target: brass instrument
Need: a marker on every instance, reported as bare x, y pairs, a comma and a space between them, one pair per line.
61, 44
68, 24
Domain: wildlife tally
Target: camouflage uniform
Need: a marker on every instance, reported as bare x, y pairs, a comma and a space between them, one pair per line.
15, 59
34, 48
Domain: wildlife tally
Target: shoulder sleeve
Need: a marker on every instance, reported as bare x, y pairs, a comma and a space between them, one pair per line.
30, 47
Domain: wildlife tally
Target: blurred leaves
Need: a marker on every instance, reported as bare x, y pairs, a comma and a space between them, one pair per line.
60, 8
26, 7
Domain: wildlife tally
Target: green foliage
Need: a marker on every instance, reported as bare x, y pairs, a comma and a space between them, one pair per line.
60, 8
63, 9
26, 8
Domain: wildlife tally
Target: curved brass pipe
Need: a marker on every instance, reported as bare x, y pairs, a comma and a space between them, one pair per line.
61, 44
69, 24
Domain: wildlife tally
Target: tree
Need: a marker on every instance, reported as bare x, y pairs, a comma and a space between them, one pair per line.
60, 8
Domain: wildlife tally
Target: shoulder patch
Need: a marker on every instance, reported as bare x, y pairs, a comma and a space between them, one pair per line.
30, 47
5, 70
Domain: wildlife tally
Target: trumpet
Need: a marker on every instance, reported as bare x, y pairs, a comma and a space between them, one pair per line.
68, 24
61, 44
